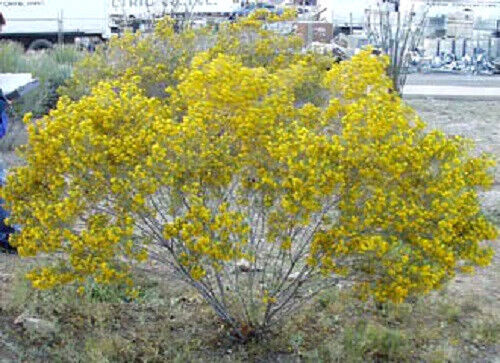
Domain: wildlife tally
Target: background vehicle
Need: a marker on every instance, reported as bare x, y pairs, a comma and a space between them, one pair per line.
40, 24
147, 9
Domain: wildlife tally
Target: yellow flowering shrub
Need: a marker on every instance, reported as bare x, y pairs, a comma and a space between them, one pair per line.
252, 193
157, 59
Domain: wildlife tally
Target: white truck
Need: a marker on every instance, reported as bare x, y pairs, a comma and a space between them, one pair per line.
41, 23
147, 8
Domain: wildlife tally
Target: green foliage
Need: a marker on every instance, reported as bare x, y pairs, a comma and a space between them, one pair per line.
50, 67
374, 342
484, 331
12, 57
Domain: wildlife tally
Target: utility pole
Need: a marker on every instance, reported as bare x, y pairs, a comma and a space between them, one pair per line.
60, 27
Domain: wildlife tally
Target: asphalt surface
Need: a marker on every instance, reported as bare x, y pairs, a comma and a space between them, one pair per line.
453, 86
459, 80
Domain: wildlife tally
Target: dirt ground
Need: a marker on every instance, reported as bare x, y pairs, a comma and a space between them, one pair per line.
479, 120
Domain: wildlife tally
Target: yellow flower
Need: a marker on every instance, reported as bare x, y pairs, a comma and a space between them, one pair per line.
217, 148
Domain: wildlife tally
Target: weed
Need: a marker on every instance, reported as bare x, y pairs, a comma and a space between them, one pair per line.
296, 342
450, 311
484, 331
442, 354
377, 342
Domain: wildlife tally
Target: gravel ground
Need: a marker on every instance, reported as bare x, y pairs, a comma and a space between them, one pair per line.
477, 120
480, 121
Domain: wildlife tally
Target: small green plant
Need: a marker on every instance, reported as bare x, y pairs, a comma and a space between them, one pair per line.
375, 342
296, 342
52, 68
484, 331
12, 58
451, 312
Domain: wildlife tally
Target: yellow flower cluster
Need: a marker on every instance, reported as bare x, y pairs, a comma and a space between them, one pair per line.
204, 144
207, 239
409, 209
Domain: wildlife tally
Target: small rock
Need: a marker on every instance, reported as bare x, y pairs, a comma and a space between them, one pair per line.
5, 277
244, 265
42, 327
20, 319
294, 276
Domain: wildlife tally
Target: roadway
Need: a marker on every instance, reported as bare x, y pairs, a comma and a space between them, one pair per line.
452, 86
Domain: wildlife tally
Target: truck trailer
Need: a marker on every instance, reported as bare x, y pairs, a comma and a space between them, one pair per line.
146, 8
140, 14
41, 23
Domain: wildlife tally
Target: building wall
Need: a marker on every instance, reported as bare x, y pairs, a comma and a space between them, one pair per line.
340, 12
315, 32
481, 8
485, 14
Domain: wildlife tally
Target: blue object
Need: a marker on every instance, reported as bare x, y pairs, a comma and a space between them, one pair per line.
5, 231
4, 117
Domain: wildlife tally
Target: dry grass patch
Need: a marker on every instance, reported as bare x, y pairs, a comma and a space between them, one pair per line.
169, 323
